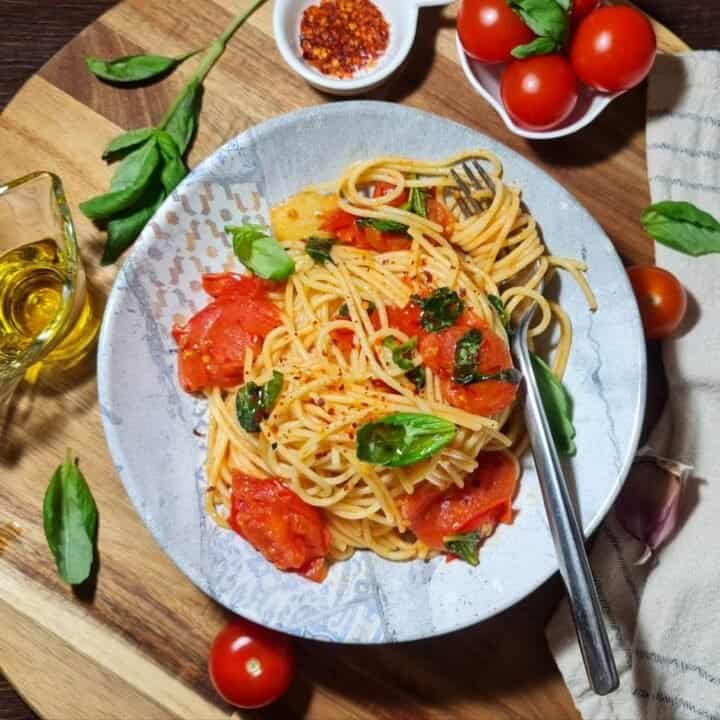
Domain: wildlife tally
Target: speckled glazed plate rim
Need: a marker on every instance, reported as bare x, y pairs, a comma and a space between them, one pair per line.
138, 487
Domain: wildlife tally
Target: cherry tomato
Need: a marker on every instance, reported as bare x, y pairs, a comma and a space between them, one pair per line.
486, 497
381, 188
661, 299
539, 92
212, 343
580, 9
613, 48
405, 319
288, 532
438, 212
489, 30
250, 666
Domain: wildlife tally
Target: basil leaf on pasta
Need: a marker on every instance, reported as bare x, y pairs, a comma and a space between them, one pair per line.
499, 307
558, 406
467, 356
417, 376
70, 522
319, 250
259, 252
683, 227
417, 202
403, 439
402, 353
440, 309
254, 402
465, 546
388, 226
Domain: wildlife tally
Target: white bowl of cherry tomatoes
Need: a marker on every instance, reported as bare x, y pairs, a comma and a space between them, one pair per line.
550, 67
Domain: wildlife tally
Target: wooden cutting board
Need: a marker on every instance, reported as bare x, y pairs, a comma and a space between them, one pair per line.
137, 647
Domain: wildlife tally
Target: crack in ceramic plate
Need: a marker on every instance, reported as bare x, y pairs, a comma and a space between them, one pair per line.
149, 422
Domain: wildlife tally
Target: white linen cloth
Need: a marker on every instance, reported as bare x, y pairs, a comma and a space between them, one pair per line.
664, 617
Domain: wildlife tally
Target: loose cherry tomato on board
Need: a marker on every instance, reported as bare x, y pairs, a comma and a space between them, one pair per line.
661, 299
489, 30
250, 666
539, 92
613, 48
580, 9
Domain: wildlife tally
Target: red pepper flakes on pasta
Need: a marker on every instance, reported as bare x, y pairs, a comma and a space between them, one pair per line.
340, 37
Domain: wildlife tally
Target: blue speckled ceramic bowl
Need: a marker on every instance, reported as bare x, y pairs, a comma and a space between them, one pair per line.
149, 421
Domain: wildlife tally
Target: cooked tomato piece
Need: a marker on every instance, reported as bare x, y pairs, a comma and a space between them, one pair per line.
337, 220
438, 213
405, 319
212, 343
383, 188
488, 397
486, 498
289, 533
344, 339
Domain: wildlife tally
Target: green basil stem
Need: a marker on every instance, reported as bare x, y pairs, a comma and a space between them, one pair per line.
213, 54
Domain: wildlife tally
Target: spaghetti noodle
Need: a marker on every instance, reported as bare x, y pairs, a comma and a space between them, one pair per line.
338, 327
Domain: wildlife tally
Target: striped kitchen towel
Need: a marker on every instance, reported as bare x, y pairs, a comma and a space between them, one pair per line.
664, 617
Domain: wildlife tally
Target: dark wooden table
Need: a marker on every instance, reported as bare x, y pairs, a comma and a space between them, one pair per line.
31, 31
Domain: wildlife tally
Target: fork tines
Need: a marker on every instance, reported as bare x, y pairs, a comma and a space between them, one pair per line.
468, 204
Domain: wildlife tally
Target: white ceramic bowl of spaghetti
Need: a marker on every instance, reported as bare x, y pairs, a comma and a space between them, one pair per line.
485, 80
401, 16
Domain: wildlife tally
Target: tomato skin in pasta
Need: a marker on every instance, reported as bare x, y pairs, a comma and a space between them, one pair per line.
484, 500
212, 344
290, 533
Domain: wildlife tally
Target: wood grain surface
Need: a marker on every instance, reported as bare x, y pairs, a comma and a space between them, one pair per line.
135, 644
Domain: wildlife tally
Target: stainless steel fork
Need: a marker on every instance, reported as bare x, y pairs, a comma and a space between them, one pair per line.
564, 526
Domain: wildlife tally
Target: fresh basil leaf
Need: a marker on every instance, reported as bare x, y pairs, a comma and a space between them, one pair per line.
564, 4
319, 249
343, 311
127, 141
499, 307
132, 68
402, 353
70, 522
558, 406
683, 227
538, 46
544, 17
465, 546
403, 439
440, 309
467, 356
181, 120
253, 402
173, 170
128, 185
123, 229
388, 226
417, 202
371, 307
417, 376
271, 391
259, 252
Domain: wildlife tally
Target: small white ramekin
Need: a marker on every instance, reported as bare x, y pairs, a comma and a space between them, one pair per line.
401, 15
485, 80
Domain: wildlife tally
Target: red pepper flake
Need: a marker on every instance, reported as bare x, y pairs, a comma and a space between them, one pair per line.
340, 37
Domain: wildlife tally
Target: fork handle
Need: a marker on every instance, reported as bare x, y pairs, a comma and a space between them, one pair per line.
569, 544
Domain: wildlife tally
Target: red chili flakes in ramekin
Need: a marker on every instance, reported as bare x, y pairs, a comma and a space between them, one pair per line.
340, 37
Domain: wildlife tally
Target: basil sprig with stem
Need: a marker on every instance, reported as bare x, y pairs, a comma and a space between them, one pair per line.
403, 439
548, 19
683, 227
152, 167
135, 68
259, 252
70, 522
254, 403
